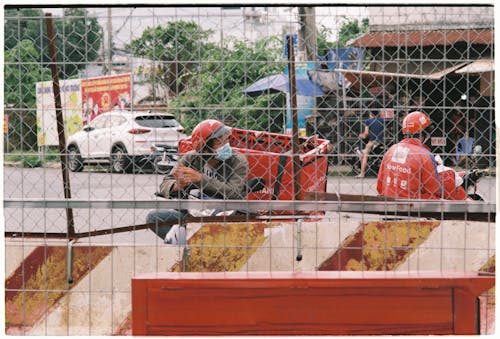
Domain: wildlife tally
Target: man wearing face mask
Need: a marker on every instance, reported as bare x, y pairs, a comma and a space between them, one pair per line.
212, 167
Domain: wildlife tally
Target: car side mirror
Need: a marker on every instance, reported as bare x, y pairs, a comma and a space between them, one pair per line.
88, 128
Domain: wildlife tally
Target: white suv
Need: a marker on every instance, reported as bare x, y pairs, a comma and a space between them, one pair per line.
123, 139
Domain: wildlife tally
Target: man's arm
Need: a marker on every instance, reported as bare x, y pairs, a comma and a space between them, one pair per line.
175, 182
168, 186
365, 133
431, 183
381, 175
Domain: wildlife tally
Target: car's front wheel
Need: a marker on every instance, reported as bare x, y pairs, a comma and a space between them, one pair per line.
120, 161
75, 162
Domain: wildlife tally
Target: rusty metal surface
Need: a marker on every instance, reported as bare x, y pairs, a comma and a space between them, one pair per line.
223, 247
379, 246
423, 38
347, 205
360, 78
40, 282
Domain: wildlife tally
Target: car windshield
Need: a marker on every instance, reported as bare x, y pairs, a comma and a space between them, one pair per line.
156, 121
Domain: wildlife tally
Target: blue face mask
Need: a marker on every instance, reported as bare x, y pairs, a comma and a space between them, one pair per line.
225, 152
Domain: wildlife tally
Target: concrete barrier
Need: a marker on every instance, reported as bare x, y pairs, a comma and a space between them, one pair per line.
99, 303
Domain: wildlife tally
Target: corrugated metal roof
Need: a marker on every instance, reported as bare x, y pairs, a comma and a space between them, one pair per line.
423, 38
373, 79
478, 66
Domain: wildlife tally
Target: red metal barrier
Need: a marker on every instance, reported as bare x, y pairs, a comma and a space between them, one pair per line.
306, 303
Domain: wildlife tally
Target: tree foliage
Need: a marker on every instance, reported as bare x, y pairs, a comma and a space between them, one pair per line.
79, 39
177, 48
350, 29
22, 24
78, 36
207, 79
26, 57
21, 75
224, 74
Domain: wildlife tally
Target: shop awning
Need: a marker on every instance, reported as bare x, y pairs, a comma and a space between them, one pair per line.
478, 66
280, 83
374, 79
423, 38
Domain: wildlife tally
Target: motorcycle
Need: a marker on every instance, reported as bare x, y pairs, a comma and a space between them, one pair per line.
470, 180
467, 179
163, 158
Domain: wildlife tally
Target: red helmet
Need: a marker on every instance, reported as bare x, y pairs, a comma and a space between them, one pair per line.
207, 130
415, 123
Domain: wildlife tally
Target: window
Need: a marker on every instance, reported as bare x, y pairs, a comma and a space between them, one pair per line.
102, 121
117, 120
157, 121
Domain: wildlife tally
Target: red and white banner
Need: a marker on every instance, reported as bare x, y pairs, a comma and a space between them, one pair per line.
102, 94
81, 100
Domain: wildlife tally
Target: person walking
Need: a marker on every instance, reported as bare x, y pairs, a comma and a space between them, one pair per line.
374, 131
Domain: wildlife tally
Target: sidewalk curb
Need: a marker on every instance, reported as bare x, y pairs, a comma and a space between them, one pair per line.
19, 164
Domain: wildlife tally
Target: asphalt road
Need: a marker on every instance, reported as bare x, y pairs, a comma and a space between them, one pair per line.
46, 183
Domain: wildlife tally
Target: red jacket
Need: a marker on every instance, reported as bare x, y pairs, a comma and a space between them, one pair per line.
450, 191
409, 171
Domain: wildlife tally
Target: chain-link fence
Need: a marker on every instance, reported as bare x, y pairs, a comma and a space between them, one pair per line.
304, 185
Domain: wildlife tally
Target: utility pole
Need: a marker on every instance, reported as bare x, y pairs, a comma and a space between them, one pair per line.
308, 45
107, 45
110, 39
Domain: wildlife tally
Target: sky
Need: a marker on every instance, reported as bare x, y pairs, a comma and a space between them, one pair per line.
129, 22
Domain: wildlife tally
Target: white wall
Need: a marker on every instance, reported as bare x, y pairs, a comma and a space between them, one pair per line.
429, 18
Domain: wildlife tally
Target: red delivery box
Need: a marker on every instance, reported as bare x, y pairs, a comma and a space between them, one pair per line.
270, 157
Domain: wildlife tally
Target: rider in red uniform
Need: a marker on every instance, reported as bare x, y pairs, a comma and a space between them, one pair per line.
409, 170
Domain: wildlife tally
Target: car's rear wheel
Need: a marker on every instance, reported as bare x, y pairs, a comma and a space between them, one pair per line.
120, 160
75, 162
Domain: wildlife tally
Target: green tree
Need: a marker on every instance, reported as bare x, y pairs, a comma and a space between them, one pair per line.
20, 78
78, 36
224, 74
350, 29
22, 24
209, 79
323, 43
178, 48
22, 74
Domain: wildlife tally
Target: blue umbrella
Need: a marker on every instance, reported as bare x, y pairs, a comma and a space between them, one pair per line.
280, 83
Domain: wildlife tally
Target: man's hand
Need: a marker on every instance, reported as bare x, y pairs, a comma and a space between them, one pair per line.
365, 133
185, 176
